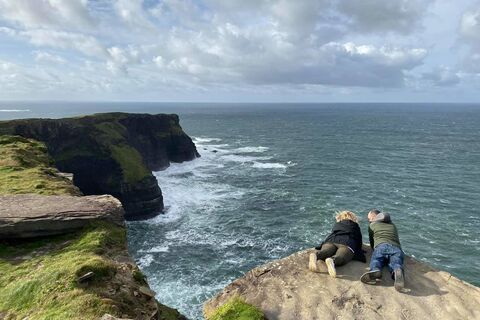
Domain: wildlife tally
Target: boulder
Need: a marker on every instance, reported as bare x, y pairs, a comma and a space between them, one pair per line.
31, 215
286, 289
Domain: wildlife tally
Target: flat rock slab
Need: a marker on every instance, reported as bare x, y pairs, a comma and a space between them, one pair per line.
31, 215
285, 289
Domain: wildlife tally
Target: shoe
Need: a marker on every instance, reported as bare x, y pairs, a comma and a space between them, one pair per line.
331, 267
312, 262
399, 280
371, 277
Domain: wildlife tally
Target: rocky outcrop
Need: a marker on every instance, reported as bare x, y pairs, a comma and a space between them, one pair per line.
31, 215
286, 289
113, 153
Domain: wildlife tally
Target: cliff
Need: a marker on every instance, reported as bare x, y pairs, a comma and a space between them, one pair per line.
286, 289
112, 153
63, 256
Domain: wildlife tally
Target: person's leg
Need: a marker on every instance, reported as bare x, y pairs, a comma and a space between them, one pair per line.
342, 256
397, 257
395, 265
377, 260
328, 250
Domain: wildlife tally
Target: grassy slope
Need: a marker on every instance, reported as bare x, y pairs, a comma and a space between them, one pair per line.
38, 277
25, 167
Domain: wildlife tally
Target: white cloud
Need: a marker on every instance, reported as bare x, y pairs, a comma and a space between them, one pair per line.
85, 44
43, 56
46, 13
260, 45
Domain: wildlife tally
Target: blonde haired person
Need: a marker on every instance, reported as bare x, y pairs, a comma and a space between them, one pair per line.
343, 244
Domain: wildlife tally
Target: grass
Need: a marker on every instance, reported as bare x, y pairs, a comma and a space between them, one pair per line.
38, 278
26, 167
237, 309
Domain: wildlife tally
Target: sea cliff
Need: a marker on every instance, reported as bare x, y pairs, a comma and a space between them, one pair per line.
64, 255
112, 153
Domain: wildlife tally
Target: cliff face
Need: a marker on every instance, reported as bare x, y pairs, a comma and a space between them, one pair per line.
64, 256
113, 153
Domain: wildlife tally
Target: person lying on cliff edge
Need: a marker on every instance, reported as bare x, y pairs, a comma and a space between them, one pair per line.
340, 246
384, 241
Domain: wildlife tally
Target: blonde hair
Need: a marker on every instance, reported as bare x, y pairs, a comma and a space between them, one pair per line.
346, 215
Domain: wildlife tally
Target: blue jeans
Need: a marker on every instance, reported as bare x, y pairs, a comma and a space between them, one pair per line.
386, 253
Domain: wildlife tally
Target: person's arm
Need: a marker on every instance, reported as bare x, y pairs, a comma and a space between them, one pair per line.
370, 237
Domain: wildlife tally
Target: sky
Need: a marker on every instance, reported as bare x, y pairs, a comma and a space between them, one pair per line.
240, 50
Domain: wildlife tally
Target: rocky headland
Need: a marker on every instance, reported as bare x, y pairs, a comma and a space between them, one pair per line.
112, 153
285, 289
64, 255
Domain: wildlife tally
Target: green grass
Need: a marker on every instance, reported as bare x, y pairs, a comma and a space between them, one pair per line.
26, 167
131, 162
38, 278
237, 309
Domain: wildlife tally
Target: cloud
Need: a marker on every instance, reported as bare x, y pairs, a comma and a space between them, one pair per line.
85, 44
400, 16
442, 77
46, 57
469, 35
46, 13
270, 45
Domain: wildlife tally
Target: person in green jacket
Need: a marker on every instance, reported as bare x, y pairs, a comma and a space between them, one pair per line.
384, 241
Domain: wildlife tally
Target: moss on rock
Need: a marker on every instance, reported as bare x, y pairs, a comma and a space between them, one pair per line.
237, 309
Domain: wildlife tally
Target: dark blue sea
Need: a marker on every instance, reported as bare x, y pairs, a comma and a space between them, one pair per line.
272, 176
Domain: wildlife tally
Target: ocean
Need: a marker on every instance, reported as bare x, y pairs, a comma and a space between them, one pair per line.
271, 177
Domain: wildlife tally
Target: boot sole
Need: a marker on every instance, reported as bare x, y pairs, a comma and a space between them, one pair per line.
399, 282
331, 267
312, 263
371, 277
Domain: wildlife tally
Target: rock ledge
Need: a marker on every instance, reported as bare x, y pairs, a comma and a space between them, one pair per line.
286, 289
31, 215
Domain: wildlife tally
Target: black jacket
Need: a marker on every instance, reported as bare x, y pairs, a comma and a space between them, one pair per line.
348, 233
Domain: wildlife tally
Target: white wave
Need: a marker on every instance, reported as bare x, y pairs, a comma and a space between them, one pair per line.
14, 110
205, 140
156, 249
269, 165
145, 261
251, 149
243, 159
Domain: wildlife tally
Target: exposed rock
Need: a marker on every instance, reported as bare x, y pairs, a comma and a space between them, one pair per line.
30, 215
286, 289
113, 153
107, 316
86, 276
147, 291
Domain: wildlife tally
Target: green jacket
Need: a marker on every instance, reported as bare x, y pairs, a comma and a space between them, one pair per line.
383, 231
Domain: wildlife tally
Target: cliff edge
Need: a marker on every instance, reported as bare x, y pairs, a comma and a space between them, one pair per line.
286, 289
112, 153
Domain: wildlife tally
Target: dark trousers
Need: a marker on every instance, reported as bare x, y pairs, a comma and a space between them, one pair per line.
340, 253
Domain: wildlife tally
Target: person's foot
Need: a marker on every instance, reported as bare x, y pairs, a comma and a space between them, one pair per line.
331, 267
399, 280
371, 277
312, 262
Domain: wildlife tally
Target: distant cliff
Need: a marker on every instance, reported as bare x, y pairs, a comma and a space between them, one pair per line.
112, 153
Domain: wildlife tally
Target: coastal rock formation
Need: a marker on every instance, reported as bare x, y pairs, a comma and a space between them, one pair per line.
32, 215
286, 289
113, 153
